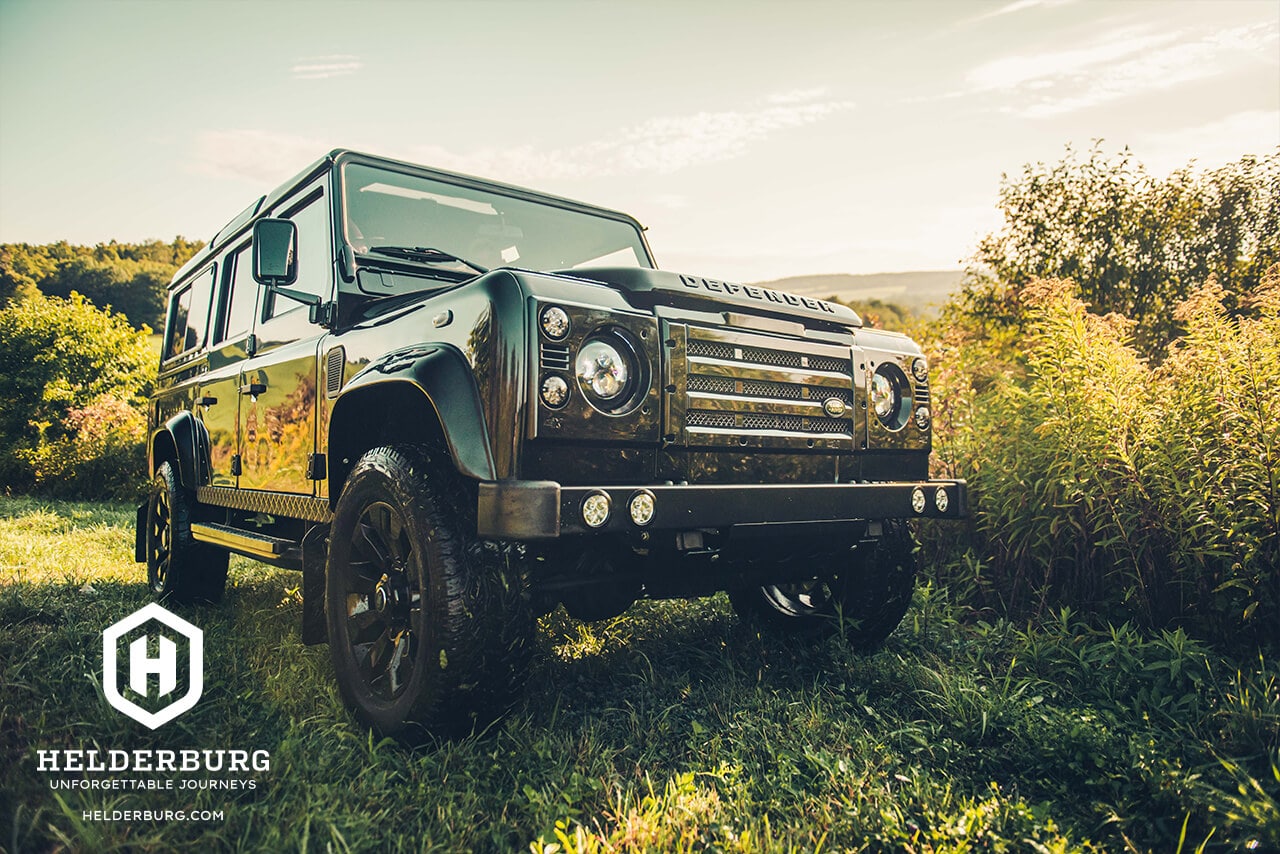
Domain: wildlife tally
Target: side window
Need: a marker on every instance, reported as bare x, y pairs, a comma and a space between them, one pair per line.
240, 296
189, 316
179, 309
315, 255
198, 319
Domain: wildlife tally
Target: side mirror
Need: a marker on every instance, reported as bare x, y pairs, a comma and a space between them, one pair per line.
275, 255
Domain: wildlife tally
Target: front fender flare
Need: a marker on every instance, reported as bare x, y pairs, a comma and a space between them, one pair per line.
442, 375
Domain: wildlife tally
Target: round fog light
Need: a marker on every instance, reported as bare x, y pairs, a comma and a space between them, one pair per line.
595, 509
555, 391
921, 369
555, 323
940, 500
641, 508
917, 500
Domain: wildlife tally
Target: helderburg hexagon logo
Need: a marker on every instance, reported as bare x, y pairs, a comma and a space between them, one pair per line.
171, 631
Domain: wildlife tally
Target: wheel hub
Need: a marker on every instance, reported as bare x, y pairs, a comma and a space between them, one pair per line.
390, 597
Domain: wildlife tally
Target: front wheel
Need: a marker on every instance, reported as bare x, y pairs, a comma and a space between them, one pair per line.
428, 629
866, 595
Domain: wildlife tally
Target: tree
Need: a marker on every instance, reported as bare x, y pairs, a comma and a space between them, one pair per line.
1134, 244
130, 277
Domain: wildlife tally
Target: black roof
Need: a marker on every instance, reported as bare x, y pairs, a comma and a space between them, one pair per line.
265, 204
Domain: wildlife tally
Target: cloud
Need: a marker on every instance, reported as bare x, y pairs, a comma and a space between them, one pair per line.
797, 96
1121, 65
660, 145
264, 158
1211, 145
1021, 6
323, 67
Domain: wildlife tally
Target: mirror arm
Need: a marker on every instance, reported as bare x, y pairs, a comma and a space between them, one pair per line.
297, 296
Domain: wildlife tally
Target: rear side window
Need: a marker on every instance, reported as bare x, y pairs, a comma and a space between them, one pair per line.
179, 310
189, 316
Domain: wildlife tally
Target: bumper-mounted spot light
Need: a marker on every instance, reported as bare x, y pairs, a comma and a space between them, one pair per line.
641, 507
595, 509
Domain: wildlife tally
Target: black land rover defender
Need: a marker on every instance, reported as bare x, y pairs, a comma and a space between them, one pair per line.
454, 404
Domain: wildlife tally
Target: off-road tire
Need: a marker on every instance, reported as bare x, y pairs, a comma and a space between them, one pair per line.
865, 598
179, 569
458, 608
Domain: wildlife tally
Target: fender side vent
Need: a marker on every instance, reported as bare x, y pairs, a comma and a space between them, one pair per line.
334, 366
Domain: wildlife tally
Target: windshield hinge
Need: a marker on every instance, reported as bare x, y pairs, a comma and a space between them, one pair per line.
324, 314
347, 263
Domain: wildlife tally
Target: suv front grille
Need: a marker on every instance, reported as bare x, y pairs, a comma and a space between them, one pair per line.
732, 387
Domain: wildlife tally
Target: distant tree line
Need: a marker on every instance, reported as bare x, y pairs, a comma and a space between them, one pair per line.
131, 278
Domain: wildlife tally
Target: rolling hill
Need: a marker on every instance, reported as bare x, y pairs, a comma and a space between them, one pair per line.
921, 291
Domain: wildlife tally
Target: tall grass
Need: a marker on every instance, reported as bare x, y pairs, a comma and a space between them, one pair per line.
1109, 483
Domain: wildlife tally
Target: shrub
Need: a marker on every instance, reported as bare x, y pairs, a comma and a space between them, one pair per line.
1105, 483
71, 417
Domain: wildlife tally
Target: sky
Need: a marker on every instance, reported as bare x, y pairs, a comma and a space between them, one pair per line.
754, 140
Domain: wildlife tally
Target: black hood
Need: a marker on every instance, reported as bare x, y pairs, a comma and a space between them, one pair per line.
661, 286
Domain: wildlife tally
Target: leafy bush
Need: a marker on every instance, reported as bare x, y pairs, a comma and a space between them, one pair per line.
1103, 482
71, 420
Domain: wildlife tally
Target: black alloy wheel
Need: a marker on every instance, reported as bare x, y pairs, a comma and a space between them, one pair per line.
428, 629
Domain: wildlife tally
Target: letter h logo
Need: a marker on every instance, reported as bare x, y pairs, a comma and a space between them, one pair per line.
142, 665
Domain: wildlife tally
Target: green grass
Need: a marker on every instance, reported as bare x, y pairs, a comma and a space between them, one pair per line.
672, 728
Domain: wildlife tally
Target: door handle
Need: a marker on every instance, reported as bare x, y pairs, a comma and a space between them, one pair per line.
206, 401
254, 389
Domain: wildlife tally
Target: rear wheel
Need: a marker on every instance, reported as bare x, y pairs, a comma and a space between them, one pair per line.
428, 628
179, 568
866, 597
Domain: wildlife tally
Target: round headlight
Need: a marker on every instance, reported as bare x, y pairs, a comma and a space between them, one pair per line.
891, 396
555, 391
603, 370
883, 396
555, 323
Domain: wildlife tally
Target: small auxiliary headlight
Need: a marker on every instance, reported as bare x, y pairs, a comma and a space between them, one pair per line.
923, 418
555, 391
595, 509
917, 500
940, 500
641, 507
555, 322
920, 368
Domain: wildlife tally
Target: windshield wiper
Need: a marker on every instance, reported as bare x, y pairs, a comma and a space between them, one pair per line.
426, 254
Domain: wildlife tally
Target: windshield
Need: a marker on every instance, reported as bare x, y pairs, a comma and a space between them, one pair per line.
434, 220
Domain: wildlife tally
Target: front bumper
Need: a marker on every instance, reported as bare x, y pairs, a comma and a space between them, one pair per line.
543, 509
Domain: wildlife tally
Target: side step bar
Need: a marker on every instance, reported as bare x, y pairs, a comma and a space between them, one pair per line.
270, 549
